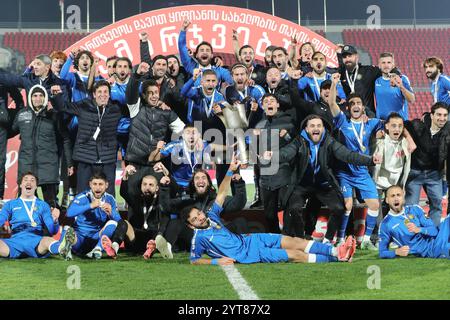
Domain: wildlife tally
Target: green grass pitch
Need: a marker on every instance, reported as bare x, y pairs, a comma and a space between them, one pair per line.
131, 277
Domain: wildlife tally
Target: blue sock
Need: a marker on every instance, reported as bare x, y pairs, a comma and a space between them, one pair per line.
371, 221
341, 232
55, 245
108, 231
321, 248
323, 259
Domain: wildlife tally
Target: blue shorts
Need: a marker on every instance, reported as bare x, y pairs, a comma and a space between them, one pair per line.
85, 243
264, 247
441, 245
363, 184
24, 244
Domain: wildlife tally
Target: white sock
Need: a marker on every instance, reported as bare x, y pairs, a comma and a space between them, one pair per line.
312, 258
308, 246
334, 251
115, 246
372, 213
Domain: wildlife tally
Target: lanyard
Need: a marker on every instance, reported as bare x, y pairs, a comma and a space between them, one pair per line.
100, 117
245, 94
316, 147
359, 137
351, 82
148, 211
205, 104
187, 154
30, 211
317, 92
272, 91
436, 88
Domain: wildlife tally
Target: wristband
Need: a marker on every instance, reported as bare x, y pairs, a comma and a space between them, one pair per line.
214, 262
229, 173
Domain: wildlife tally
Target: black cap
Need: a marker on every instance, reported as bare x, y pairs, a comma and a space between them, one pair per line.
348, 49
326, 84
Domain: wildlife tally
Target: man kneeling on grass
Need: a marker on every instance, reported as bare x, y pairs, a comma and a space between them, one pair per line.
414, 233
225, 248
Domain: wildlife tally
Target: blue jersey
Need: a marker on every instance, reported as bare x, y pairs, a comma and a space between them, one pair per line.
348, 129
390, 99
430, 242
216, 240
189, 63
76, 81
311, 88
440, 89
183, 162
15, 212
118, 92
199, 104
90, 221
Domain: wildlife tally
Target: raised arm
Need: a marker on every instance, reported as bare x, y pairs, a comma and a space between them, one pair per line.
292, 47
225, 185
144, 48
187, 61
236, 46
63, 106
335, 110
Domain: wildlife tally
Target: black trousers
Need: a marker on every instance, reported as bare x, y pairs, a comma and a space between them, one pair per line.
50, 193
86, 170
293, 219
270, 200
171, 234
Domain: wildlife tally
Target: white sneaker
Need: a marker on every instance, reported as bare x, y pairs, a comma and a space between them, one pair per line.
368, 245
96, 253
393, 245
164, 247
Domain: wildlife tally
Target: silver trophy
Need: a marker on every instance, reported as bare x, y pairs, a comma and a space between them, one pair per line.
233, 117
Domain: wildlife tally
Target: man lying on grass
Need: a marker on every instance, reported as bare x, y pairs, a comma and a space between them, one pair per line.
414, 233
225, 248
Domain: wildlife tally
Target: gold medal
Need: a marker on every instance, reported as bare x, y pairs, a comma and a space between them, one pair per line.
407, 221
33, 224
363, 149
411, 216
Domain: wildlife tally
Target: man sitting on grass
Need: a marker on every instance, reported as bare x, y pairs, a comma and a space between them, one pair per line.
96, 218
29, 217
411, 230
225, 248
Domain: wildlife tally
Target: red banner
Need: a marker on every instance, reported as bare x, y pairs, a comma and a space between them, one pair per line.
209, 23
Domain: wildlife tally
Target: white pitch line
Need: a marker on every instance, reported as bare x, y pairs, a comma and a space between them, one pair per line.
239, 284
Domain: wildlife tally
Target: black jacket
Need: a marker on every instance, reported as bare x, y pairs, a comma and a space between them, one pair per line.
147, 128
39, 134
297, 153
157, 220
364, 84
28, 80
279, 121
431, 152
304, 108
7, 116
231, 204
87, 150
